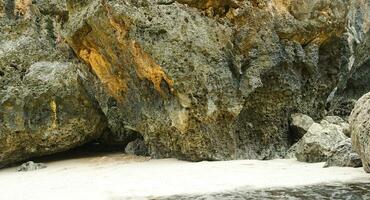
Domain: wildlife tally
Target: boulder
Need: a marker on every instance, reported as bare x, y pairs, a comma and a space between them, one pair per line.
44, 105
319, 143
344, 156
300, 125
344, 125
359, 121
48, 112
291, 151
137, 147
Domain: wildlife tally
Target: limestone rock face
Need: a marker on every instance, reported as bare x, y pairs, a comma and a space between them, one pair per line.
49, 112
349, 90
196, 79
44, 106
360, 130
213, 80
319, 143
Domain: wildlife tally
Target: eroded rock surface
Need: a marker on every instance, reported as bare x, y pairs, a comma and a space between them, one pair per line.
360, 130
44, 106
300, 125
198, 80
31, 166
137, 147
48, 112
344, 156
213, 80
319, 143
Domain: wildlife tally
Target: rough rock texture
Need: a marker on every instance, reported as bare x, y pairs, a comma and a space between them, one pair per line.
44, 107
31, 166
312, 147
48, 112
360, 130
344, 156
339, 121
214, 79
291, 151
300, 125
137, 147
198, 80
319, 143
350, 90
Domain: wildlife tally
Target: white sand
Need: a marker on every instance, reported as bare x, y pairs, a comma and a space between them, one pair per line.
118, 176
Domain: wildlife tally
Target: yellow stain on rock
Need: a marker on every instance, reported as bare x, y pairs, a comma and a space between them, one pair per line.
102, 69
107, 62
23, 7
2, 8
147, 68
53, 107
281, 6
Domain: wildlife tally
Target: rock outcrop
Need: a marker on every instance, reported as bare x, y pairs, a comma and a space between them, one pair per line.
44, 106
349, 90
48, 112
197, 80
211, 80
360, 130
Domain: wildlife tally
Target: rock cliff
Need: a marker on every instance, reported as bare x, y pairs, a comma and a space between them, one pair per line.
197, 80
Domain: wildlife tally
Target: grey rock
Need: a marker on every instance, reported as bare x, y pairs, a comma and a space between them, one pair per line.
48, 112
292, 151
300, 124
198, 80
359, 121
214, 87
31, 166
137, 147
334, 120
344, 125
319, 143
44, 105
352, 88
344, 156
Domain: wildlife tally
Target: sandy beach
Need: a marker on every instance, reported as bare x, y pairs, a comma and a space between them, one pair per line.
119, 176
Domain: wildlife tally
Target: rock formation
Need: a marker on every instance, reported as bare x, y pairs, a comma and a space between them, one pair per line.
344, 156
44, 106
213, 79
300, 125
360, 130
48, 112
137, 147
324, 142
198, 80
319, 143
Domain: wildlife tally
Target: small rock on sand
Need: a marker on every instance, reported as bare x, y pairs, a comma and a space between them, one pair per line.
30, 166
